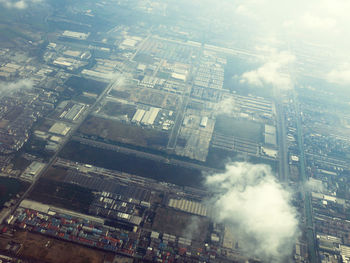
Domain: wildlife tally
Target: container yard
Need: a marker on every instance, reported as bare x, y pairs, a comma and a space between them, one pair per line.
74, 229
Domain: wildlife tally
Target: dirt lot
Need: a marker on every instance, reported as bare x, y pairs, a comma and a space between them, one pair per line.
148, 96
56, 173
65, 195
39, 248
118, 109
180, 224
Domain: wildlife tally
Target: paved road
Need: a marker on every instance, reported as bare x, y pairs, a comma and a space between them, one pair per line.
307, 202
181, 110
282, 143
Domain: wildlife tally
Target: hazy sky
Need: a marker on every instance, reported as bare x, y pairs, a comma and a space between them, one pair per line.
322, 24
18, 4
293, 31
282, 25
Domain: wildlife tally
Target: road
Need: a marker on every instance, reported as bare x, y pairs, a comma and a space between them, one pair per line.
307, 202
181, 110
282, 143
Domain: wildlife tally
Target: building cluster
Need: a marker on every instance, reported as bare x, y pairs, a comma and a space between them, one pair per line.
18, 112
123, 220
130, 77
326, 144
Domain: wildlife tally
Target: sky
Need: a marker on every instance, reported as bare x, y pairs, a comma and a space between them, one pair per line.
290, 34
18, 4
287, 28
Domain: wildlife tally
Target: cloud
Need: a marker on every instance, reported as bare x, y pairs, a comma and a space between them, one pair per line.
314, 185
340, 75
257, 208
274, 71
226, 106
316, 22
7, 88
20, 4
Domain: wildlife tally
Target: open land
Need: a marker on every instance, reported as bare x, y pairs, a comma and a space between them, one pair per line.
40, 248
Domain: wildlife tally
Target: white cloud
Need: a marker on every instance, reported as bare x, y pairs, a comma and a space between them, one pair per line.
18, 4
340, 75
257, 208
315, 22
314, 185
226, 106
274, 71
10, 87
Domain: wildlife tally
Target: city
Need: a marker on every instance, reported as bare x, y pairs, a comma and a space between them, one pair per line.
120, 140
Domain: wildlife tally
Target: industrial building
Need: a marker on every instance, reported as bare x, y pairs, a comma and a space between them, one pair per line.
77, 35
59, 128
204, 122
179, 76
138, 115
32, 171
270, 135
150, 116
97, 75
73, 113
189, 206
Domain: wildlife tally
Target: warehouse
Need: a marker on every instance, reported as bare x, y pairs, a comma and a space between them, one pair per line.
270, 135
77, 35
204, 122
188, 206
32, 171
150, 116
138, 115
59, 128
74, 112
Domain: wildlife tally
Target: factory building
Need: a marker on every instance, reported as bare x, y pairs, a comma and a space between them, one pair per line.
270, 135
77, 35
59, 128
73, 113
204, 122
138, 115
150, 116
97, 75
188, 206
32, 171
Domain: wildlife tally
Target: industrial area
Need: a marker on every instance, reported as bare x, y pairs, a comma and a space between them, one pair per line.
109, 131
